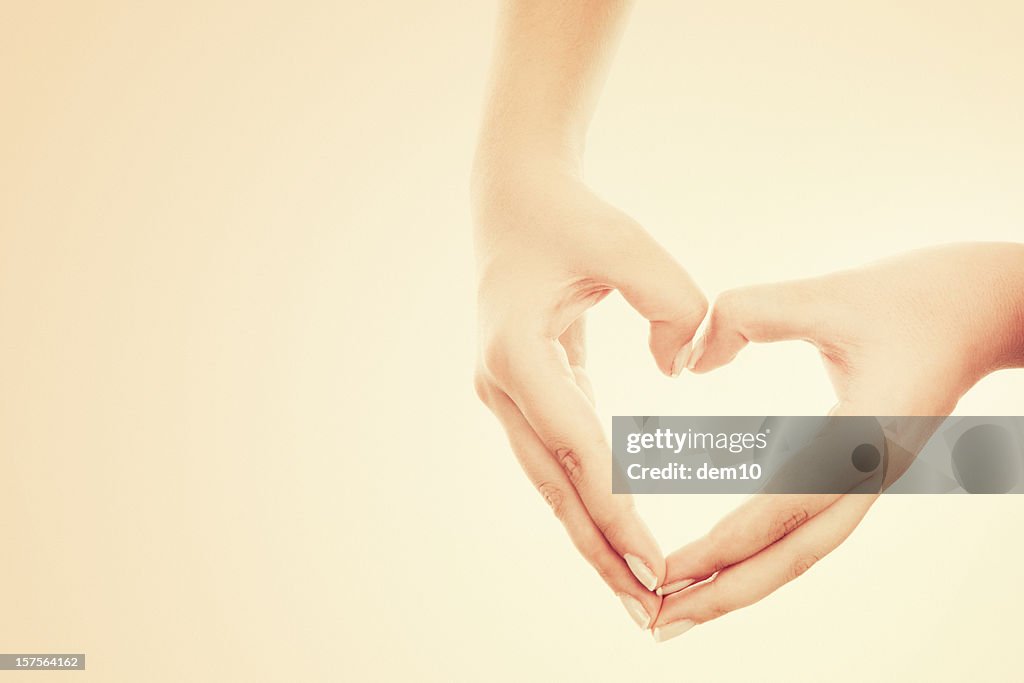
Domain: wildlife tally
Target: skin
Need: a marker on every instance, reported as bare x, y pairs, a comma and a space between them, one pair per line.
903, 337
548, 248
906, 336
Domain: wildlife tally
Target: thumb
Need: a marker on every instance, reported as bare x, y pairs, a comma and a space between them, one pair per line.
661, 290
763, 313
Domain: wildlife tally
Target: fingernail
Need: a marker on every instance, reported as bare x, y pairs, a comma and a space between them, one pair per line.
636, 610
698, 351
676, 628
674, 587
679, 364
641, 571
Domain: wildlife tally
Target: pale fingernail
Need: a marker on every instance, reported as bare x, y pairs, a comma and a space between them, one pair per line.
636, 610
676, 628
679, 364
641, 571
673, 587
698, 350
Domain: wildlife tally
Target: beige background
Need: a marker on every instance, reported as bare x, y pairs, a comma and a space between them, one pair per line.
237, 429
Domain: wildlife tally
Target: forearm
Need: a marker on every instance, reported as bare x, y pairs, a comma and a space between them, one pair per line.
550, 61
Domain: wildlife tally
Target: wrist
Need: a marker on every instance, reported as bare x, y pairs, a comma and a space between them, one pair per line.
1012, 355
1000, 339
508, 150
508, 168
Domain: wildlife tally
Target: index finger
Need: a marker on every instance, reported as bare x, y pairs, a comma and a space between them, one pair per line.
759, 522
536, 374
749, 581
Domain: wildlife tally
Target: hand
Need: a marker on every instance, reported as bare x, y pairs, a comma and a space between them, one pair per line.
907, 336
549, 249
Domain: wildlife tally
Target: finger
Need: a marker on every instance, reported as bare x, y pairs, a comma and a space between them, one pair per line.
553, 484
747, 530
765, 313
573, 340
751, 580
661, 290
536, 375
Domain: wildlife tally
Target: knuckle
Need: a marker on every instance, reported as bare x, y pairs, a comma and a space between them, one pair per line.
786, 522
801, 564
696, 310
726, 307
482, 386
571, 463
610, 527
718, 611
715, 610
554, 496
496, 357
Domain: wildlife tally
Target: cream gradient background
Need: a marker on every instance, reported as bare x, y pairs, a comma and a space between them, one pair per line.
237, 429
